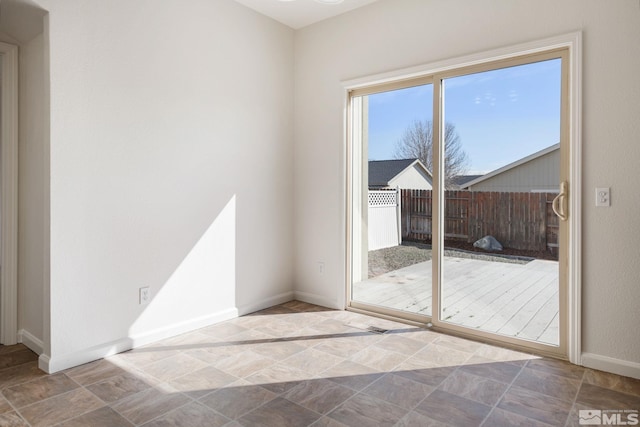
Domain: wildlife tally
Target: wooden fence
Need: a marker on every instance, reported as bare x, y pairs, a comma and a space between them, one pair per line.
518, 220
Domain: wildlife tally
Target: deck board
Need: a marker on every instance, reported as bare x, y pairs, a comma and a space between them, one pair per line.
519, 300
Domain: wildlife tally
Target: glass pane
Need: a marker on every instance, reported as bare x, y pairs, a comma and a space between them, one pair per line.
502, 170
391, 224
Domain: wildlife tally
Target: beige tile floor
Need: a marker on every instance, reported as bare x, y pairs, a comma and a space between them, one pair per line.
298, 365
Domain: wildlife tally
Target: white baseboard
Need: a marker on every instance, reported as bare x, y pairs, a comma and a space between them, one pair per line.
31, 341
43, 363
266, 303
58, 363
317, 300
609, 364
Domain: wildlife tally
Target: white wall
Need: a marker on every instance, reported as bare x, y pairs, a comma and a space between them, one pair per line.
171, 167
394, 34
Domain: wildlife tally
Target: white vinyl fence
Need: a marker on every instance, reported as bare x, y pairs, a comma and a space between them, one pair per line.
384, 219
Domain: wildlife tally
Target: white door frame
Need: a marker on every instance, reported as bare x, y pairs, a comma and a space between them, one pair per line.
572, 41
9, 196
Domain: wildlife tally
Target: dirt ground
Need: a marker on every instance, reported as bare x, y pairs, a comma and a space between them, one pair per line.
384, 260
454, 244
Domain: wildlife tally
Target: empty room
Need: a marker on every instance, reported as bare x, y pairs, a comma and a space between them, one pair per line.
319, 212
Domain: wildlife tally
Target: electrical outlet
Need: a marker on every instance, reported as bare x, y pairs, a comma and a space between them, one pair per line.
145, 295
320, 268
603, 197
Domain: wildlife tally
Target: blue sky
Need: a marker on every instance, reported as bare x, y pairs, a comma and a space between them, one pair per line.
501, 115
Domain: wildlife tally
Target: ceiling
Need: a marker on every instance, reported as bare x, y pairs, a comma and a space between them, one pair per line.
300, 13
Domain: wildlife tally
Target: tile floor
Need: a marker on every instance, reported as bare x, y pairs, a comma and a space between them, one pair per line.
298, 365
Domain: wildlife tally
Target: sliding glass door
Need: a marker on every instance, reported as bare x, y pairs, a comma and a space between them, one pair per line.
389, 273
458, 200
506, 279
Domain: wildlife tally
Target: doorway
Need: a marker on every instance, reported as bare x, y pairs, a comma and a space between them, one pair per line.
473, 165
8, 194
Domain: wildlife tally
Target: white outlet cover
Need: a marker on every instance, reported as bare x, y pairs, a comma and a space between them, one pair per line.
603, 197
144, 295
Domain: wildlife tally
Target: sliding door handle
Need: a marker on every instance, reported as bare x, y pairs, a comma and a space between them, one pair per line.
560, 201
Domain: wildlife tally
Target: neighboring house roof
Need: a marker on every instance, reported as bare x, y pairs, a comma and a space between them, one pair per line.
461, 180
511, 166
382, 172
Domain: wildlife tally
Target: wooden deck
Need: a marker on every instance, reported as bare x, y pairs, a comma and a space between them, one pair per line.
518, 300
